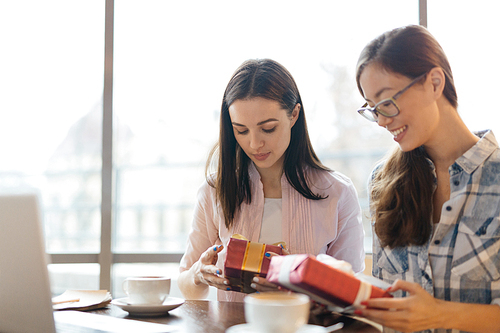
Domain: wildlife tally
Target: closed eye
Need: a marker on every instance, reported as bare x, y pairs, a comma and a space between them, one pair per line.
241, 132
269, 130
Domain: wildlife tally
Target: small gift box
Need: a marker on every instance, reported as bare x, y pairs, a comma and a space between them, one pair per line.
245, 260
323, 283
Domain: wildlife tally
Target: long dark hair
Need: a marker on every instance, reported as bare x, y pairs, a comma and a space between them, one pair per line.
401, 192
268, 79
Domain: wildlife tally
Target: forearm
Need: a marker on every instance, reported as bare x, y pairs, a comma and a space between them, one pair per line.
471, 317
189, 288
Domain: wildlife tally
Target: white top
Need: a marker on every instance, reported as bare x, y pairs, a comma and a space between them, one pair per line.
270, 230
332, 225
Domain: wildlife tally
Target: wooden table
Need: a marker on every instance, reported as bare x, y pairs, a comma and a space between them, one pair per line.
216, 317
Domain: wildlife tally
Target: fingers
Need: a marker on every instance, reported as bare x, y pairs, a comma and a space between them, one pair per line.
211, 269
212, 276
382, 317
400, 320
261, 284
410, 287
406, 314
272, 254
284, 250
210, 255
216, 281
262, 289
386, 303
207, 272
396, 303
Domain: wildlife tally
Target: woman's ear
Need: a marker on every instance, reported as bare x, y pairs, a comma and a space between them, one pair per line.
295, 113
438, 80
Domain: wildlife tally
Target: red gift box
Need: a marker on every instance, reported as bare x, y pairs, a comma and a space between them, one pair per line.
245, 260
323, 283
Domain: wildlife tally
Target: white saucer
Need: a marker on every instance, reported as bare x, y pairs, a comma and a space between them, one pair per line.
147, 309
246, 328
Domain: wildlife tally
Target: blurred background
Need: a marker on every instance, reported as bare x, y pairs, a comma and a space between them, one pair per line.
171, 63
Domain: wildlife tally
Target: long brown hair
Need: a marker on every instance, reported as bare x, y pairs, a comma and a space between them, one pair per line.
401, 191
268, 79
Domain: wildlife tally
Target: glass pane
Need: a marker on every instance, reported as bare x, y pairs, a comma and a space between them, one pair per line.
73, 276
172, 62
469, 38
50, 125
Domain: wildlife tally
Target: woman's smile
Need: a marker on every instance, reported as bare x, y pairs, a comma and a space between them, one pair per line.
398, 133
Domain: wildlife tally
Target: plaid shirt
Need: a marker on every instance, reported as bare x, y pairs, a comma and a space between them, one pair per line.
461, 261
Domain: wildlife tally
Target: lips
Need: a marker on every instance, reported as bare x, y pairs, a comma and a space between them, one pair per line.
261, 157
399, 133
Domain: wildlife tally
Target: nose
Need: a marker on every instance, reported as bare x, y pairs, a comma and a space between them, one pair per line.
383, 121
256, 141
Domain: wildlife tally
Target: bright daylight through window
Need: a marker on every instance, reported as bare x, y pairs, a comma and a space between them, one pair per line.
171, 62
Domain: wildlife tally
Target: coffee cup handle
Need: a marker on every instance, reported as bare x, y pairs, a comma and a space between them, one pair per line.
125, 286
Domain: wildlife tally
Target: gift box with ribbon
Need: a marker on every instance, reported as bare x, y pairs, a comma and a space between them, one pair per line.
340, 290
245, 260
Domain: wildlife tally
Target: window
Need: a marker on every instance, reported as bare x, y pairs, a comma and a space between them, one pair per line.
468, 38
171, 62
51, 85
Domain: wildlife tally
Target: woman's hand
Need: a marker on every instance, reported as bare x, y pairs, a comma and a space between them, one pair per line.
205, 271
284, 251
417, 312
261, 284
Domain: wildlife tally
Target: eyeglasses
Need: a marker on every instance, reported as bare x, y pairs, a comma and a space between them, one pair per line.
387, 107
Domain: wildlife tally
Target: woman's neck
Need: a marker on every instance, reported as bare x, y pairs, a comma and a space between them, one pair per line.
271, 181
452, 141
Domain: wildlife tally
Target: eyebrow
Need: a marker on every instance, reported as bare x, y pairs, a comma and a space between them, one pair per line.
258, 124
377, 95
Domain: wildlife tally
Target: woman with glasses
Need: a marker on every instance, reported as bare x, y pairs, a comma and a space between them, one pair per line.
269, 186
435, 200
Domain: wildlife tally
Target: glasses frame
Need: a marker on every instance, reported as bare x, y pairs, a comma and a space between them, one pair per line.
373, 111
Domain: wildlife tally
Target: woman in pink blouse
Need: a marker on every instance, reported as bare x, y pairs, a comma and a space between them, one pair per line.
269, 186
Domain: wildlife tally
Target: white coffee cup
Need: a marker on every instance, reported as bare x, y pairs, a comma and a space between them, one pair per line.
147, 289
276, 312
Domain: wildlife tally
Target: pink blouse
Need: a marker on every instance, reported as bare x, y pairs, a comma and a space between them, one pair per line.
332, 225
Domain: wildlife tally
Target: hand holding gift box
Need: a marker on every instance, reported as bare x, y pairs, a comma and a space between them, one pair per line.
245, 260
336, 287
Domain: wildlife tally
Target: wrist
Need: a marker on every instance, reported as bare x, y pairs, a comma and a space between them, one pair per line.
445, 316
194, 270
453, 315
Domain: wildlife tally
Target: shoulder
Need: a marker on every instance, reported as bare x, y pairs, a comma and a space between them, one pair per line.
494, 158
206, 193
377, 168
207, 185
489, 173
487, 156
329, 182
492, 145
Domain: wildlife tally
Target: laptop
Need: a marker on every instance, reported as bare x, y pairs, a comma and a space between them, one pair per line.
25, 296
25, 299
